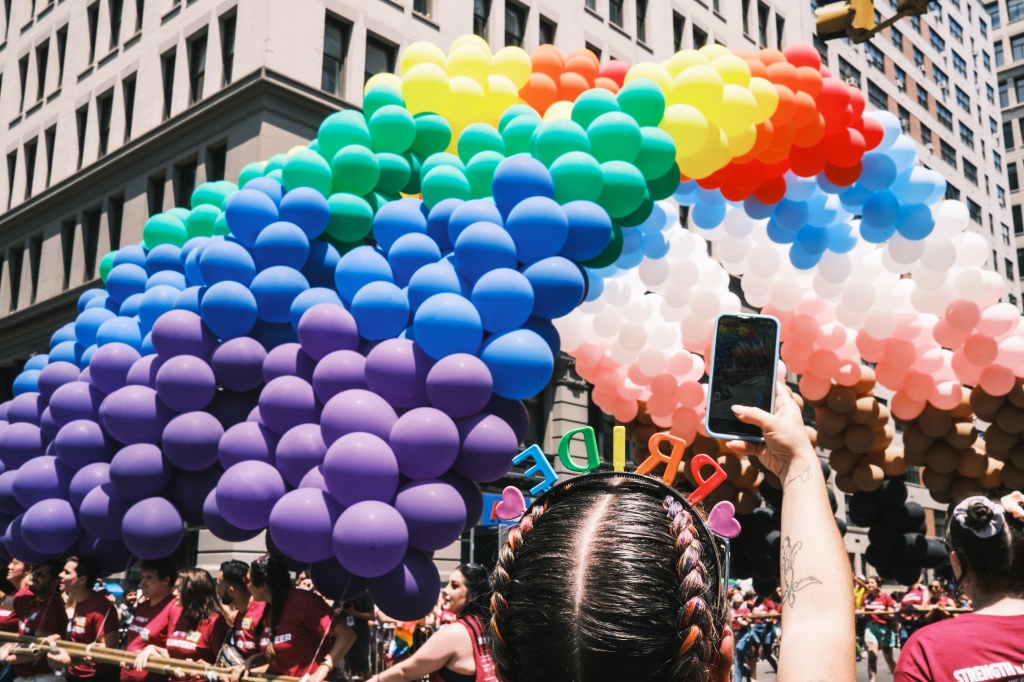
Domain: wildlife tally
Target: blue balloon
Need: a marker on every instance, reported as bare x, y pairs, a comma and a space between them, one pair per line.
164, 257
520, 363
891, 128
190, 246
307, 208
709, 197
224, 261
590, 230
801, 259
155, 302
546, 331
228, 309
878, 171
632, 241
269, 186
87, 356
147, 344
38, 361
655, 246
539, 227
275, 288
904, 153
628, 261
504, 299
853, 198
130, 307
193, 275
133, 253
189, 299
791, 215
880, 211
359, 267
822, 210
88, 323
827, 186
446, 324
281, 243
915, 185
26, 382
656, 222
67, 351
64, 333
272, 335
756, 210
798, 188
812, 239
520, 177
249, 211
381, 311
938, 189
434, 278
876, 235
396, 218
841, 238
483, 247
468, 212
321, 263
595, 288
120, 330
409, 253
99, 302
87, 296
777, 234
309, 298
686, 193
437, 222
125, 280
707, 217
915, 221
168, 278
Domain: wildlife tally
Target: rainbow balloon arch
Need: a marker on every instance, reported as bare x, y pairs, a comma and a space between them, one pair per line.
337, 352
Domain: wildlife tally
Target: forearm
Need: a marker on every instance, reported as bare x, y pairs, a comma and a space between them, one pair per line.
398, 673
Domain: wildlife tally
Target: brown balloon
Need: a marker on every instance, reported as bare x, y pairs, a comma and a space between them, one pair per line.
993, 476
961, 435
915, 440
934, 422
1010, 418
934, 481
829, 422
843, 460
841, 399
985, 405
865, 410
972, 463
868, 477
942, 458
998, 440
859, 438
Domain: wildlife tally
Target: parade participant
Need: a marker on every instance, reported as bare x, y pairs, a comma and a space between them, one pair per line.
358, 615
457, 652
150, 624
938, 602
879, 634
40, 614
301, 636
911, 617
198, 627
741, 604
94, 621
246, 614
613, 576
986, 541
18, 577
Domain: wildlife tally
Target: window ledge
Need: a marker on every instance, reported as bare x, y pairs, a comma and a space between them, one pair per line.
426, 20
28, 25
85, 74
3, 46
35, 107
645, 46
134, 40
46, 10
399, 7
171, 15
718, 14
593, 13
110, 56
618, 29
14, 122
53, 95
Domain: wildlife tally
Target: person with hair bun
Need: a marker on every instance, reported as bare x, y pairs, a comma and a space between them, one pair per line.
986, 541
459, 651
614, 577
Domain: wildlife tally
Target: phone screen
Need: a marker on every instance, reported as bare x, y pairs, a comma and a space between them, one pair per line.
742, 372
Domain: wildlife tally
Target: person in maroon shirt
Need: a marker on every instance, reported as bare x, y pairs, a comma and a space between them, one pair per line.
938, 602
40, 614
879, 634
911, 618
246, 614
150, 624
18, 575
94, 621
986, 538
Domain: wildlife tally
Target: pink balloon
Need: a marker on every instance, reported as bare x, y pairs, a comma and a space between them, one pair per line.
908, 326
946, 395
630, 391
929, 361
813, 387
661, 405
891, 376
812, 304
626, 410
918, 385
690, 394
824, 364
685, 423
998, 319
679, 364
805, 328
849, 373
871, 349
980, 350
1011, 353
968, 374
904, 407
663, 421
900, 352
833, 336
698, 370
997, 380
962, 315
637, 377
947, 337
588, 354
664, 384
797, 356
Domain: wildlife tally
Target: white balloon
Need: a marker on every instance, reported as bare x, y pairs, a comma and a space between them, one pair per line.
835, 267
705, 304
904, 251
950, 218
616, 292
677, 297
737, 223
829, 291
752, 285
570, 331
654, 273
786, 294
651, 361
850, 318
608, 322
663, 336
694, 329
996, 288
880, 324
684, 274
928, 279
893, 296
710, 274
970, 283
733, 249
620, 355
735, 269
639, 310
633, 336
939, 255
971, 250
933, 301
764, 260
730, 303
857, 297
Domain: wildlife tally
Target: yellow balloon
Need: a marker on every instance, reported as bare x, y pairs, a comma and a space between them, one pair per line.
738, 111
767, 98
698, 86
713, 51
426, 88
561, 110
743, 142
422, 52
297, 148
467, 100
655, 72
687, 127
499, 94
470, 39
513, 63
469, 61
383, 78
732, 69
684, 59
712, 156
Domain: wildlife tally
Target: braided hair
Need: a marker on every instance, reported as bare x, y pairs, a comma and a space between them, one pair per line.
605, 580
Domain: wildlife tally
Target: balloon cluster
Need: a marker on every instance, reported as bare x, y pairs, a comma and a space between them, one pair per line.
1002, 442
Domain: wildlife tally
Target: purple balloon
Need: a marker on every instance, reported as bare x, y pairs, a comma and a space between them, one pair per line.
101, 512
113, 556
325, 328
8, 502
512, 412
247, 492
254, 416
181, 332
286, 402
14, 541
85, 479
433, 511
238, 364
301, 524
190, 440
370, 539
314, 478
360, 466
152, 528
488, 446
55, 375
82, 442
20, 443
409, 591
459, 385
4, 407
288, 360
186, 383
139, 471
232, 408
339, 371
221, 528
40, 479
396, 369
299, 450
26, 408
50, 526
48, 425
188, 490
85, 376
110, 364
247, 441
356, 411
332, 580
75, 400
471, 496
425, 442
134, 414
143, 371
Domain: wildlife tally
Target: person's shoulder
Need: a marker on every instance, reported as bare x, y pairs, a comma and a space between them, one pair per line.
255, 610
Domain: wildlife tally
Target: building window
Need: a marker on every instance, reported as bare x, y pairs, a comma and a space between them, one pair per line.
184, 183
1017, 46
700, 38
104, 109
960, 64
482, 13
1006, 233
918, 57
986, 61
922, 96
641, 20
548, 29
23, 74
50, 140
7, 21
42, 54
997, 161
421, 7
591, 4
67, 248
915, 23
948, 153
956, 29
970, 171
993, 14
12, 167
897, 39
963, 100
81, 122
952, 193
974, 209
990, 94
900, 76
115, 217
944, 115
849, 74
595, 49
983, 26
762, 24
35, 254
128, 95
936, 40
926, 135
1009, 268
140, 6
780, 30
615, 12
997, 49
941, 79
227, 46
877, 96
1018, 219
1014, 9
167, 63
904, 116
1018, 89
116, 6
1004, 94
216, 162
62, 44
1008, 142
93, 16
196, 67
874, 56
678, 28
336, 36
515, 24
822, 47
30, 166
90, 239
380, 57
155, 194
1011, 176
17, 257
1001, 195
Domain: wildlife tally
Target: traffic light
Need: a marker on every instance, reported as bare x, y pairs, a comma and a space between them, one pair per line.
854, 19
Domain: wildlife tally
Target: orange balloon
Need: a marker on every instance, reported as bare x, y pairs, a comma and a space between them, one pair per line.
571, 85
757, 68
584, 52
810, 134
547, 59
786, 107
809, 80
784, 73
744, 54
765, 134
540, 92
607, 84
770, 56
583, 66
806, 110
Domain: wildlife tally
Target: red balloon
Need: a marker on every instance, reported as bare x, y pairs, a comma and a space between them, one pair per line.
834, 97
786, 107
810, 134
734, 193
771, 191
825, 71
837, 122
842, 177
845, 149
857, 101
807, 161
802, 54
616, 70
873, 133
748, 176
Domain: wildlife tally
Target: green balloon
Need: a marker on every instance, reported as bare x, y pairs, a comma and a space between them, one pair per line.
479, 137
610, 254
392, 129
314, 146
624, 188
351, 217
415, 169
381, 96
180, 213
342, 247
433, 134
644, 100
666, 185
518, 133
615, 137
202, 221
307, 169
106, 265
554, 138
341, 129
480, 172
276, 174
657, 153
275, 163
164, 228
642, 212
394, 173
577, 175
514, 112
251, 171
592, 104
220, 226
445, 182
375, 201
207, 193
356, 170
440, 159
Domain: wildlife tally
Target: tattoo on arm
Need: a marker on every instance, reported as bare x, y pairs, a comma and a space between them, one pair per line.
792, 584
803, 476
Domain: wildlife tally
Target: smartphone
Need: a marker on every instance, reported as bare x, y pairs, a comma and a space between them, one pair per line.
744, 364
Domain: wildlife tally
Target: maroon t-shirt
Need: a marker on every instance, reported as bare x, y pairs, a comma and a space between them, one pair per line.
968, 648
201, 643
248, 627
8, 618
880, 602
94, 618
303, 637
149, 625
37, 617
758, 611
